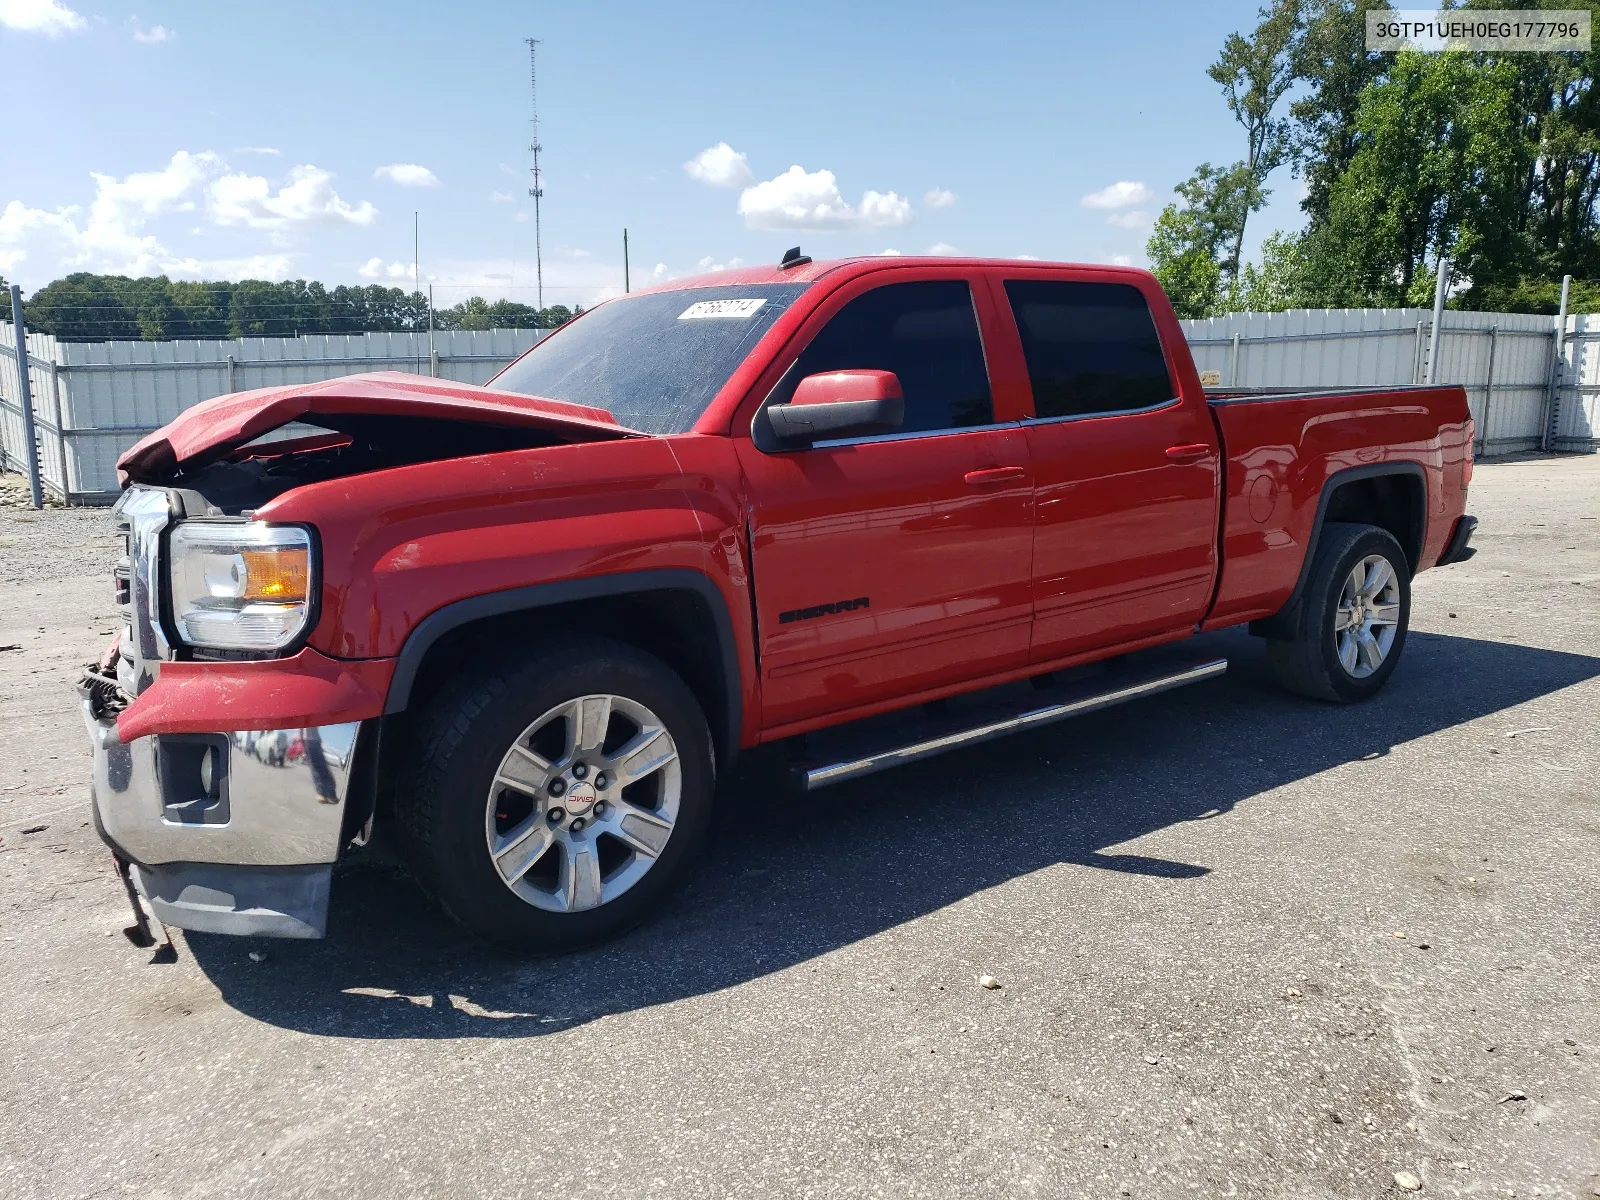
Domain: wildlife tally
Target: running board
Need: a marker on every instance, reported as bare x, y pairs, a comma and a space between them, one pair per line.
989, 719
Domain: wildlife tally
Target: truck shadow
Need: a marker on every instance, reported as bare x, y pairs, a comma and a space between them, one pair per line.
784, 880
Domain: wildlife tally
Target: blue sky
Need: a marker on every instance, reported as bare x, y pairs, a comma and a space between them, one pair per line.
206, 140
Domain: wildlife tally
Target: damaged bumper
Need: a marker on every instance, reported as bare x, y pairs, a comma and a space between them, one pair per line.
228, 832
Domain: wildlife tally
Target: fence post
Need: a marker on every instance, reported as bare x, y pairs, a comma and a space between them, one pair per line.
232, 368
1416, 357
1440, 285
61, 432
1552, 399
1233, 364
25, 396
1488, 394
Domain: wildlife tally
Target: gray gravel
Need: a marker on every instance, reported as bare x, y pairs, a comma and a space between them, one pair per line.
1192, 907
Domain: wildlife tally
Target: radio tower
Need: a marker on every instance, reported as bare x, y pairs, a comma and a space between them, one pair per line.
537, 190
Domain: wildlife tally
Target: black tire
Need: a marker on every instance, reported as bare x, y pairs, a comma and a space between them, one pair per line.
466, 732
1308, 662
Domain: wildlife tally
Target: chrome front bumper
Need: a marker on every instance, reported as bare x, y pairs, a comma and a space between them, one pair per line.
231, 832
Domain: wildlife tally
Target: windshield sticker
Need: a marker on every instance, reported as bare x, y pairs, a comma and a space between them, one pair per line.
721, 310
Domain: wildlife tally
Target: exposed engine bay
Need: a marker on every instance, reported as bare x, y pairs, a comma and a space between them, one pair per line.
336, 446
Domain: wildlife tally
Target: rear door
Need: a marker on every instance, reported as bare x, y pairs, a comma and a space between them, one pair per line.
889, 565
1126, 472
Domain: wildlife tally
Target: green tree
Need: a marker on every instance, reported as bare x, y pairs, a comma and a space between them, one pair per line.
1332, 60
1435, 144
1255, 74
1192, 238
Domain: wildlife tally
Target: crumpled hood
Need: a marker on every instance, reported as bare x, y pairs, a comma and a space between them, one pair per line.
212, 428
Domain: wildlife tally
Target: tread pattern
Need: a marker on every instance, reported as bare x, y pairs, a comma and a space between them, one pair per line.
425, 795
1301, 662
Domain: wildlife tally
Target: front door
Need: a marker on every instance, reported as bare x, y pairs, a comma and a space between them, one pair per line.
889, 565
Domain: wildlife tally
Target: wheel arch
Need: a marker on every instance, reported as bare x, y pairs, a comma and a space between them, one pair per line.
1392, 496
679, 615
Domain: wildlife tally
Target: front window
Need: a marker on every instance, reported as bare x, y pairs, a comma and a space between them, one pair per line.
654, 361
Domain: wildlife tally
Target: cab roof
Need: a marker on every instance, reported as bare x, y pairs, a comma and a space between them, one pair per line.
810, 272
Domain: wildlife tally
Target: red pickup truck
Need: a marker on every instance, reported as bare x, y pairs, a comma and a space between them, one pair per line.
897, 505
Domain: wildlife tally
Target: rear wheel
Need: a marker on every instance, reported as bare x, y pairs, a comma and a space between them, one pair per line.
1352, 620
557, 798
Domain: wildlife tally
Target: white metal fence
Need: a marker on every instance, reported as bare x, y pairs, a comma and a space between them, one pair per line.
1521, 396
92, 400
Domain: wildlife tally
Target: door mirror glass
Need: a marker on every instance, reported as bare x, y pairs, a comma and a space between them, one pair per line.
838, 404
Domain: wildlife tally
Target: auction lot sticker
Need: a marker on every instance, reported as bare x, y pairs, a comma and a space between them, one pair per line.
721, 310
1497, 30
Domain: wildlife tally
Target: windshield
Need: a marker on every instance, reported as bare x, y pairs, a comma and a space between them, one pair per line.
653, 361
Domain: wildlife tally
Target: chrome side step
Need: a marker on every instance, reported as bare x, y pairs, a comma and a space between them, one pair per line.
1091, 695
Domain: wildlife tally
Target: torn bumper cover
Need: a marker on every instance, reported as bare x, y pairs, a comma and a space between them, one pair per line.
232, 832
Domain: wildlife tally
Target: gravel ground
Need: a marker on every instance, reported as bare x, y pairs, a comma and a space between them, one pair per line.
1248, 946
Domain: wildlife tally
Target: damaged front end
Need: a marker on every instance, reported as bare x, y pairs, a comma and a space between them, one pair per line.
232, 760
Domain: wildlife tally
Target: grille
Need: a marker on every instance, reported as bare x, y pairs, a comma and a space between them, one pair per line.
141, 515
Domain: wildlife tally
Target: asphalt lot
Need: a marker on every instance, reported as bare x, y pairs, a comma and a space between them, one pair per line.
1194, 904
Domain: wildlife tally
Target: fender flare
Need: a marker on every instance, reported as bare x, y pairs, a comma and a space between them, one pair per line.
1332, 484
543, 595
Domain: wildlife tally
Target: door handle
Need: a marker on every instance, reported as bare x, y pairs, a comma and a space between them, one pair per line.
993, 475
1183, 454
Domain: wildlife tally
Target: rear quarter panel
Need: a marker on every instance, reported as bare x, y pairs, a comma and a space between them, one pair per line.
1280, 452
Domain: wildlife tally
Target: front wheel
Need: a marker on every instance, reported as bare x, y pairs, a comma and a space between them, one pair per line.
558, 797
1352, 620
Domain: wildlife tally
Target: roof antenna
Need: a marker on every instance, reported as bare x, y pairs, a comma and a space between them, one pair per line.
793, 258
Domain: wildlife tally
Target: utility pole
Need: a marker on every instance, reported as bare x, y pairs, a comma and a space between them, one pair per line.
416, 251
537, 190
1441, 285
625, 288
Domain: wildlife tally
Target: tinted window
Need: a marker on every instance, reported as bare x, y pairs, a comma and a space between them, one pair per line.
654, 361
927, 334
1091, 347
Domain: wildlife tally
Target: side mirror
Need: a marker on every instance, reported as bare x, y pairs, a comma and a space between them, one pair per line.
837, 403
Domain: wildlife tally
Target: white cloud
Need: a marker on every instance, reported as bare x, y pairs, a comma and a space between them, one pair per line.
891, 252
941, 248
1027, 257
659, 272
1135, 218
720, 166
885, 208
153, 35
258, 150
801, 199
252, 266
407, 175
376, 268
709, 264
1120, 260
307, 199
1125, 193
939, 197
113, 233
499, 197
49, 17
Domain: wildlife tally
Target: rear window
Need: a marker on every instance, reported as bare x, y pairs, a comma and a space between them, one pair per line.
654, 361
1091, 347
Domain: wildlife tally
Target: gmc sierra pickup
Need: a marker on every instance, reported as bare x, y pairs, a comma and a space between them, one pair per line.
898, 505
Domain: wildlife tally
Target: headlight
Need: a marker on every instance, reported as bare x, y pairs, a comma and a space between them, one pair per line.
240, 586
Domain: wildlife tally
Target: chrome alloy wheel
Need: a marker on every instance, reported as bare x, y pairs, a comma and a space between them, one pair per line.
1368, 616
583, 803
